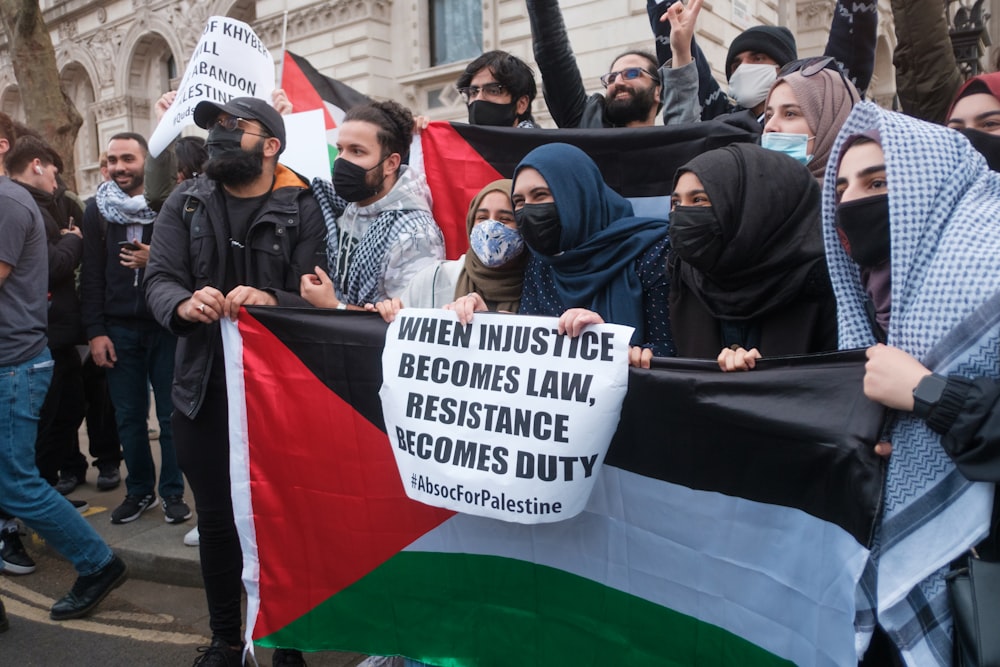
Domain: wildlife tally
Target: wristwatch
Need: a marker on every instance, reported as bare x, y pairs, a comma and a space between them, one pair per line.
927, 393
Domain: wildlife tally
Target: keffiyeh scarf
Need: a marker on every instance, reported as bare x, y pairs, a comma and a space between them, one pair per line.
120, 209
944, 207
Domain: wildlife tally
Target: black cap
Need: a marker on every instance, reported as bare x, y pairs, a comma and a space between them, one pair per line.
250, 108
776, 41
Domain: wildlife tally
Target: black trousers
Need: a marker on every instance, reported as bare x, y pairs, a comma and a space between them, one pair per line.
60, 417
202, 446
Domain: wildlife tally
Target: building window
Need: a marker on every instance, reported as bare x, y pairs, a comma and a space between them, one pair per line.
456, 30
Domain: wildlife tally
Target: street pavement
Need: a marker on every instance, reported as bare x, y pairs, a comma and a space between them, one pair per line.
158, 617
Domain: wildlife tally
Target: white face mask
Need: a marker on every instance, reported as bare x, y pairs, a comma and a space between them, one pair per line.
749, 84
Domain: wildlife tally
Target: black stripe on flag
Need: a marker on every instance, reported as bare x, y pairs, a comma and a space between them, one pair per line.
796, 431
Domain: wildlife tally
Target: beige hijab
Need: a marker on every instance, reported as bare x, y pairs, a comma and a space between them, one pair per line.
500, 287
826, 99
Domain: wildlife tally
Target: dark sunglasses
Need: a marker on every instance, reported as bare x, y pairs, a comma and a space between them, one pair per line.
812, 66
232, 123
627, 74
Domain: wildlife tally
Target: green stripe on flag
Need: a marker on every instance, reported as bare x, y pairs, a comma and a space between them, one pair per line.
486, 610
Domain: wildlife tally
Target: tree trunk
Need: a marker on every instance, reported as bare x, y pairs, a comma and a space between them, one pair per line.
48, 109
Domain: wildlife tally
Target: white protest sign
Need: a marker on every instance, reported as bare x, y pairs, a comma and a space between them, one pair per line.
229, 61
504, 418
306, 152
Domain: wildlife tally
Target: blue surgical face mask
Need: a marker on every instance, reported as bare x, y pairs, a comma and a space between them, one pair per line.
792, 145
495, 244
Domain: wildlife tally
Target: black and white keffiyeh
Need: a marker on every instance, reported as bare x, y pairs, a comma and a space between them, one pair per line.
120, 209
402, 219
944, 208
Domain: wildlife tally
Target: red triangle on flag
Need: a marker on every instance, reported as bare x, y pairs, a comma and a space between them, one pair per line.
359, 519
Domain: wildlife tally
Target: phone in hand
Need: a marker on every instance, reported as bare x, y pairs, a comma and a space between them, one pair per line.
127, 245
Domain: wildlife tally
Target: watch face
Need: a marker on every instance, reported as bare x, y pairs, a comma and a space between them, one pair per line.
927, 393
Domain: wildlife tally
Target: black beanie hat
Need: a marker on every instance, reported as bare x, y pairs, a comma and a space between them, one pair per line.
776, 41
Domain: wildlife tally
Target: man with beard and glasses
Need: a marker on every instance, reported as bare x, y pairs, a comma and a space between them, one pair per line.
240, 234
124, 337
380, 231
634, 92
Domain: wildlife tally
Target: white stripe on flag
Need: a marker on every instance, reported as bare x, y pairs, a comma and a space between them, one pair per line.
776, 576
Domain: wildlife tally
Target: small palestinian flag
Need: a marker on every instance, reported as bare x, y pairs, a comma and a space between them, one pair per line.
307, 89
460, 159
729, 525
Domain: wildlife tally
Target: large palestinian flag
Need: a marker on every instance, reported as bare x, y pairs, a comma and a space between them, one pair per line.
460, 159
729, 524
307, 89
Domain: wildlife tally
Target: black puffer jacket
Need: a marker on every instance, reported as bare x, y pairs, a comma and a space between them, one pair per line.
286, 239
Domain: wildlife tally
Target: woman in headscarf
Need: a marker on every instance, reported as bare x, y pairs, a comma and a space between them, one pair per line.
805, 109
747, 271
591, 259
492, 268
915, 260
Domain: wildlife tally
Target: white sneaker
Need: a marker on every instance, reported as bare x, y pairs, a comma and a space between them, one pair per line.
192, 537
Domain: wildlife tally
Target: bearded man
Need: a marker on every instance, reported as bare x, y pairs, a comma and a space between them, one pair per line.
242, 233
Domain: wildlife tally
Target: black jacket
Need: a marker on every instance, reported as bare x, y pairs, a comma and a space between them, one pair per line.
562, 83
285, 240
108, 290
65, 253
968, 419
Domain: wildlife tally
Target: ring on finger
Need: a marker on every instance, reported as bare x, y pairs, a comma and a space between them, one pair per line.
201, 308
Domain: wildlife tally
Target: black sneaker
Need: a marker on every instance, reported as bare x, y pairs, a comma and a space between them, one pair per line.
132, 508
287, 657
175, 510
67, 483
80, 506
108, 476
219, 654
15, 559
4, 623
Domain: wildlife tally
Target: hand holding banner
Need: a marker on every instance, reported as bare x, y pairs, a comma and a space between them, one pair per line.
229, 61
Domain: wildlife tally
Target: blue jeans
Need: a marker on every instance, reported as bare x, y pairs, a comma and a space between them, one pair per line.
145, 354
23, 492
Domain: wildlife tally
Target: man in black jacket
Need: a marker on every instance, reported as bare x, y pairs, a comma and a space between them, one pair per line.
241, 234
124, 337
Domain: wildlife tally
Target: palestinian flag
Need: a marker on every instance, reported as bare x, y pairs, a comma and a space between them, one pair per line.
307, 89
460, 159
729, 525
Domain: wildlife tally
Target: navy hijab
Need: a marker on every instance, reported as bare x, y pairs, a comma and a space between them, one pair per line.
601, 238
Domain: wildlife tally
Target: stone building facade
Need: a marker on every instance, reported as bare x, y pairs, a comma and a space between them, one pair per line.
117, 56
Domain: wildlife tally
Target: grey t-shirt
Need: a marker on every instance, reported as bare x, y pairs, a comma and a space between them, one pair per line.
24, 295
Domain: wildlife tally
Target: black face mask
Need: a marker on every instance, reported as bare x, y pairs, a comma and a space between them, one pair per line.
482, 112
863, 227
228, 163
540, 226
695, 236
351, 181
223, 143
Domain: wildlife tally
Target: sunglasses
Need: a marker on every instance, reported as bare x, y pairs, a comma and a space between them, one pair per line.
812, 66
628, 74
232, 123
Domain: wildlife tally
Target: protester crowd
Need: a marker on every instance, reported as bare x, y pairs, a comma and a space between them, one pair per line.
847, 226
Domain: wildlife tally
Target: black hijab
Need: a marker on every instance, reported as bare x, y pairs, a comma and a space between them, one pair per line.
767, 215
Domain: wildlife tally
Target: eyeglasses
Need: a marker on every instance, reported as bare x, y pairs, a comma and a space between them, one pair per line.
629, 73
812, 66
487, 89
232, 123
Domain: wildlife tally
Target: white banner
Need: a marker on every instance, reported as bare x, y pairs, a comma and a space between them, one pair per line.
504, 418
229, 61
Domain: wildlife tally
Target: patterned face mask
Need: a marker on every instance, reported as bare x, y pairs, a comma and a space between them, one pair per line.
495, 244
